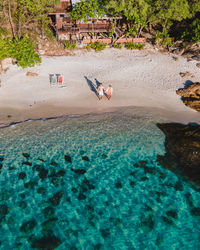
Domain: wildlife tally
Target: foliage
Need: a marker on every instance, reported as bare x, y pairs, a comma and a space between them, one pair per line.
70, 45
117, 45
163, 38
132, 45
23, 50
97, 46
192, 33
86, 9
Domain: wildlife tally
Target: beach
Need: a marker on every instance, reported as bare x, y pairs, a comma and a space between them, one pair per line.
146, 78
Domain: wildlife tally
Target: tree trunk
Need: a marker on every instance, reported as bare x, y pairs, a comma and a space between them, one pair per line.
10, 19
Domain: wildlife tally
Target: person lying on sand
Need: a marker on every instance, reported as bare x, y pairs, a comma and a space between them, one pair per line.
100, 91
109, 91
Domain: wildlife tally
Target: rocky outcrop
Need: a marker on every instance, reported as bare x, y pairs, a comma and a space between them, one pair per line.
182, 145
191, 95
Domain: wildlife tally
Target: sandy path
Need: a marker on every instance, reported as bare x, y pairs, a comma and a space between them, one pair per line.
139, 78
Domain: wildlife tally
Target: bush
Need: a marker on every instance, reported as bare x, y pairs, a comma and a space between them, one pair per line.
117, 45
192, 33
163, 38
132, 45
23, 50
97, 46
70, 45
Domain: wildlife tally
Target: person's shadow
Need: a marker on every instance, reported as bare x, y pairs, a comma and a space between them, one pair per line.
92, 85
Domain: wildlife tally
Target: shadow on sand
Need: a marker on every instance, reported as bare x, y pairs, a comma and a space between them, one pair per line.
92, 86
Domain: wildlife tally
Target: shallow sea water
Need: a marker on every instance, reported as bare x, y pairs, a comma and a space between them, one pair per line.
112, 195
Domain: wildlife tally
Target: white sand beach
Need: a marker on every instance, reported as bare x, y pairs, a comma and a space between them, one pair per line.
139, 78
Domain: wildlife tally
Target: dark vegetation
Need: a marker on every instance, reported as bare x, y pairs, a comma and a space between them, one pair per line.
22, 22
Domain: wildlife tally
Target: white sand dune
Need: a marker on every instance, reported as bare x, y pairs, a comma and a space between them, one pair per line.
139, 78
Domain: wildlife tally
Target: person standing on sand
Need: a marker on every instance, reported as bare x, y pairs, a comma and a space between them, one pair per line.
109, 91
100, 91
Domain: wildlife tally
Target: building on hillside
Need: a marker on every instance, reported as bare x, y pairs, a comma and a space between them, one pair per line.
67, 29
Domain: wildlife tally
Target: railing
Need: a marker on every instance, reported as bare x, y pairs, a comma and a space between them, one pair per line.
71, 28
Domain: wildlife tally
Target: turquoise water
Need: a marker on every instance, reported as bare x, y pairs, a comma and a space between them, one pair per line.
93, 182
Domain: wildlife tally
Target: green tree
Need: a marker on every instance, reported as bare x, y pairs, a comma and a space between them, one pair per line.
86, 9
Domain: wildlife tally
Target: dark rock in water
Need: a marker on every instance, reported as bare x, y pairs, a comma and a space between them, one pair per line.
115, 221
91, 186
190, 95
78, 171
22, 195
49, 225
39, 159
147, 223
189, 199
168, 221
195, 211
82, 152
49, 212
104, 156
134, 173
11, 168
1, 158
46, 242
178, 186
1, 165
118, 185
41, 190
81, 196
37, 167
60, 173
30, 184
21, 175
28, 226
172, 213
68, 158
27, 163
26, 155
22, 204
182, 155
132, 183
85, 158
105, 232
98, 246
85, 185
43, 173
74, 190
144, 178
55, 200
4, 209
53, 163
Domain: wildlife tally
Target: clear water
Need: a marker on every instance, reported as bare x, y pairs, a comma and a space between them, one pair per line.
124, 200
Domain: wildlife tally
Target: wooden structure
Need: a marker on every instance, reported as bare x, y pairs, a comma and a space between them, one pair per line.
67, 29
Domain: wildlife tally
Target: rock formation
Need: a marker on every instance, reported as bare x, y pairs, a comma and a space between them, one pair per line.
182, 155
191, 95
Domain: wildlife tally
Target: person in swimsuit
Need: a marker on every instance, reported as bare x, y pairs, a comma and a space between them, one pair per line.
100, 91
109, 91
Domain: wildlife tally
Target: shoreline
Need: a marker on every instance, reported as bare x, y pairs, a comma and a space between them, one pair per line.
146, 78
39, 114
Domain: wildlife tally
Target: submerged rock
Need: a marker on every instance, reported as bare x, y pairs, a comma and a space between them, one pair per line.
49, 212
78, 171
26, 155
85, 158
195, 211
68, 158
28, 226
21, 175
191, 95
172, 214
30, 184
53, 163
46, 242
27, 163
41, 190
55, 199
147, 223
182, 155
43, 173
1, 158
4, 209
